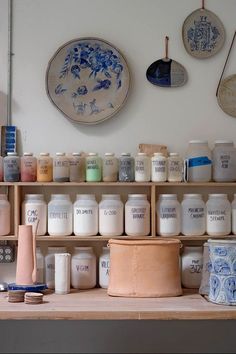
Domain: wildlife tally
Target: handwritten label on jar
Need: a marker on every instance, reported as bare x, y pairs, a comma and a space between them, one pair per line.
225, 161
175, 166
196, 213
139, 166
92, 165
168, 213
159, 165
84, 211
195, 266
105, 265
216, 215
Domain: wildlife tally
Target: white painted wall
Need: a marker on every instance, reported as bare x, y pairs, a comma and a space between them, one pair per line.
137, 28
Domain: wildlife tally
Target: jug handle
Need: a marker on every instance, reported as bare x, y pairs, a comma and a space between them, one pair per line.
34, 273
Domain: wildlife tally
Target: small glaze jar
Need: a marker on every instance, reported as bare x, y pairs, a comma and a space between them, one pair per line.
93, 167
224, 161
192, 263
110, 168
50, 265
28, 167
34, 209
104, 268
5, 211
174, 168
111, 215
85, 215
77, 167
60, 215
159, 167
83, 268
218, 209
193, 215
61, 168
40, 265
44, 167
142, 167
168, 215
126, 167
137, 215
11, 166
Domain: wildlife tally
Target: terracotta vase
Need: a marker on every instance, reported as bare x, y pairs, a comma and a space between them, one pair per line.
26, 256
144, 268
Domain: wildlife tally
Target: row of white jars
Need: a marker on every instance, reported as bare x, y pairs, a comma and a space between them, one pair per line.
193, 217
83, 267
86, 217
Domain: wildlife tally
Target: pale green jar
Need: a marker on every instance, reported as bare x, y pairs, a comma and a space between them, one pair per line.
93, 167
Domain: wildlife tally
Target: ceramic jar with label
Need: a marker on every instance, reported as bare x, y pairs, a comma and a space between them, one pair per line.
60, 215
11, 167
111, 215
44, 167
5, 210
28, 167
85, 215
110, 167
40, 265
61, 168
34, 209
137, 215
104, 268
142, 167
93, 167
83, 268
218, 208
126, 167
77, 167
168, 215
193, 211
199, 161
191, 265
174, 168
224, 161
1, 168
159, 167
233, 207
50, 265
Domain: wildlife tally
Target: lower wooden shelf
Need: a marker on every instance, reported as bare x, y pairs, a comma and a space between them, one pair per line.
95, 304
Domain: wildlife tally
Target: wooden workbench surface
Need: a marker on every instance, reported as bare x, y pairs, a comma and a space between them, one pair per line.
95, 304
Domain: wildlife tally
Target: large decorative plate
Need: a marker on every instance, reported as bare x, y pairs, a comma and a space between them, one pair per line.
227, 95
88, 80
203, 34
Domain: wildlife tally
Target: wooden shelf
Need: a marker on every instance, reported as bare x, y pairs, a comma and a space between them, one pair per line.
8, 238
95, 304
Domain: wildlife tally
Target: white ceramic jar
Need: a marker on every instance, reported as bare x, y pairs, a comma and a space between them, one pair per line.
33, 211
40, 265
137, 215
50, 265
77, 167
104, 268
142, 167
193, 211
62, 273
61, 168
110, 167
5, 211
199, 161
85, 215
191, 265
218, 222
159, 167
224, 161
111, 215
174, 168
168, 215
233, 205
60, 215
83, 268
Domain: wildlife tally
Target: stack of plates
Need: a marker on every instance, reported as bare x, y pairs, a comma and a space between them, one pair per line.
16, 295
33, 298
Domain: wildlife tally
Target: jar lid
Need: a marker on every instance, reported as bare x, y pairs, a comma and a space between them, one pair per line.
168, 196
217, 195
173, 154
109, 154
56, 249
85, 196
192, 195
11, 154
92, 154
158, 154
137, 196
125, 154
224, 142
198, 142
60, 154
76, 154
111, 196
60, 196
34, 196
142, 154
28, 154
83, 249
44, 154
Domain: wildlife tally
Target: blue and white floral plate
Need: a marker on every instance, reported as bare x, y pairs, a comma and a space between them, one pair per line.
88, 80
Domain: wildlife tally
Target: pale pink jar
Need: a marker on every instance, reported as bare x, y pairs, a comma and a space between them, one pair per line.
28, 164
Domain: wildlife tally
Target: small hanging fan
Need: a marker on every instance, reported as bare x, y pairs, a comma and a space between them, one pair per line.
166, 72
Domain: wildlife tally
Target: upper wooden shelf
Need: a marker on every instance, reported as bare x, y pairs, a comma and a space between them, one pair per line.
95, 304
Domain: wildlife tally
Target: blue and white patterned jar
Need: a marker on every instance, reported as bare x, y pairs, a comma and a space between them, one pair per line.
223, 271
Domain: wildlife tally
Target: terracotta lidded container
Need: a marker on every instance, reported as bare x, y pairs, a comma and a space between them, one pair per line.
144, 268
